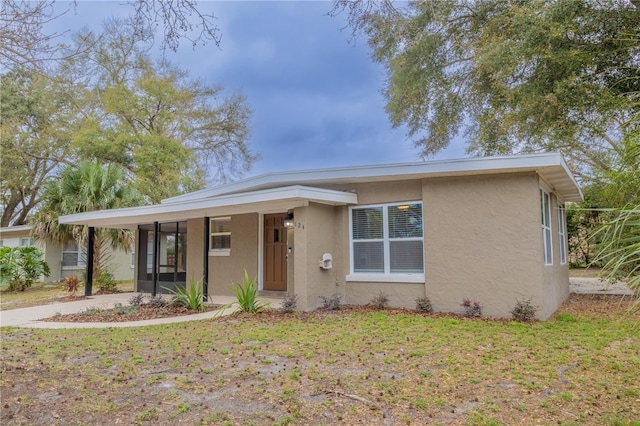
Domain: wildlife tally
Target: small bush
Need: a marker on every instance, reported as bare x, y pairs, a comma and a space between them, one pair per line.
246, 295
331, 303
524, 311
136, 299
471, 309
120, 309
191, 298
71, 284
107, 283
380, 301
289, 303
157, 302
20, 267
423, 304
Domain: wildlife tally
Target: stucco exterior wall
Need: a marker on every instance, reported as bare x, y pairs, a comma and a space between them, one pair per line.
555, 276
195, 250
223, 270
478, 242
316, 238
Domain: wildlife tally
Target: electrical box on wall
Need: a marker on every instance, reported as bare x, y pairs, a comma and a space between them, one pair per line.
327, 261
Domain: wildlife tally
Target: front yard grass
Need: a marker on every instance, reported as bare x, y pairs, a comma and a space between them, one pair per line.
43, 293
346, 367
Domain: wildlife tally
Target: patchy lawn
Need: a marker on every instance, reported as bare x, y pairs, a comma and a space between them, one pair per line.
352, 367
44, 293
591, 272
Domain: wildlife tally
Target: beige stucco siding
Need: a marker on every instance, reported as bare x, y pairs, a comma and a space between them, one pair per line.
224, 270
482, 242
195, 250
316, 238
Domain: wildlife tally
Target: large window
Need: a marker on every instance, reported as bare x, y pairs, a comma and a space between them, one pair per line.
562, 234
220, 236
546, 227
387, 239
73, 256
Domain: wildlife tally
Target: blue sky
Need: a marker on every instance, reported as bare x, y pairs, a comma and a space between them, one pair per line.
317, 99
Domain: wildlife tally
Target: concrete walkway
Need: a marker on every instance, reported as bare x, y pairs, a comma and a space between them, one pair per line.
30, 317
597, 286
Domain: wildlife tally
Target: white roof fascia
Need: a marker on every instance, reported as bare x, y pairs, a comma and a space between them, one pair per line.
18, 228
277, 199
440, 168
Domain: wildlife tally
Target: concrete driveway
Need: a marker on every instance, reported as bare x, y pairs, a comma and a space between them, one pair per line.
30, 317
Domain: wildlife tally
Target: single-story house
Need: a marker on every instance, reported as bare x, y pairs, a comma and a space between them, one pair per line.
65, 260
489, 229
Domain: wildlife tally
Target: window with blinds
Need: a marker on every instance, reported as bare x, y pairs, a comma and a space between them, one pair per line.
387, 239
73, 256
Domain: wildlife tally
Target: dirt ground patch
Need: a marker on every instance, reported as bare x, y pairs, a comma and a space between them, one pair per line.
128, 313
357, 365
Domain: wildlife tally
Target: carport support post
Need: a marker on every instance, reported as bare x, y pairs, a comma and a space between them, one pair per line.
154, 270
205, 264
88, 285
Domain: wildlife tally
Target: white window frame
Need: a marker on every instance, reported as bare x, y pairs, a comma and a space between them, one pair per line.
29, 242
80, 263
223, 251
547, 236
387, 275
562, 233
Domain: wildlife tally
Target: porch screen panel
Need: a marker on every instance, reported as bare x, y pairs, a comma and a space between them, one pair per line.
368, 240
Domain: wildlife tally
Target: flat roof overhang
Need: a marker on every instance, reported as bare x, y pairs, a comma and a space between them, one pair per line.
264, 201
551, 167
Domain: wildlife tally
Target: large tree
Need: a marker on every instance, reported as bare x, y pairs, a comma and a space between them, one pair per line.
34, 137
512, 76
83, 188
115, 105
170, 131
26, 41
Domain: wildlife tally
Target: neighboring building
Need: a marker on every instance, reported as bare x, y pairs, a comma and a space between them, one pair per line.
487, 229
65, 260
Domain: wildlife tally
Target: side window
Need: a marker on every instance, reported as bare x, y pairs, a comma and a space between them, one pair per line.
545, 204
562, 233
220, 236
73, 256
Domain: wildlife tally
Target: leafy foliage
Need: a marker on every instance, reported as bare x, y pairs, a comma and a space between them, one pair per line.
471, 309
156, 302
106, 282
380, 300
136, 299
71, 284
20, 267
619, 249
246, 295
190, 297
524, 311
289, 303
331, 303
513, 76
423, 304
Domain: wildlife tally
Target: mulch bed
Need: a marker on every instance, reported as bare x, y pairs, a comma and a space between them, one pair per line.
128, 313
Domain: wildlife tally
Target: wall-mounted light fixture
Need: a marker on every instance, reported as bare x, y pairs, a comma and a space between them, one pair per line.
288, 220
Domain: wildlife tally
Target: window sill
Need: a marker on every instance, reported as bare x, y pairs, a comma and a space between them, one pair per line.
72, 267
219, 252
390, 278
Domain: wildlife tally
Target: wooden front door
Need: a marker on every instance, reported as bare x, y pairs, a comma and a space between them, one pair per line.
275, 252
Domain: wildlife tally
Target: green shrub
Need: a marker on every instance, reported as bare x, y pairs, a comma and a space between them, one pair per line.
246, 295
380, 301
471, 309
190, 298
423, 304
106, 282
20, 267
331, 303
524, 311
136, 299
289, 303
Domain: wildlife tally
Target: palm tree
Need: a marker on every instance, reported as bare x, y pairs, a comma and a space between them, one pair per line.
86, 187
